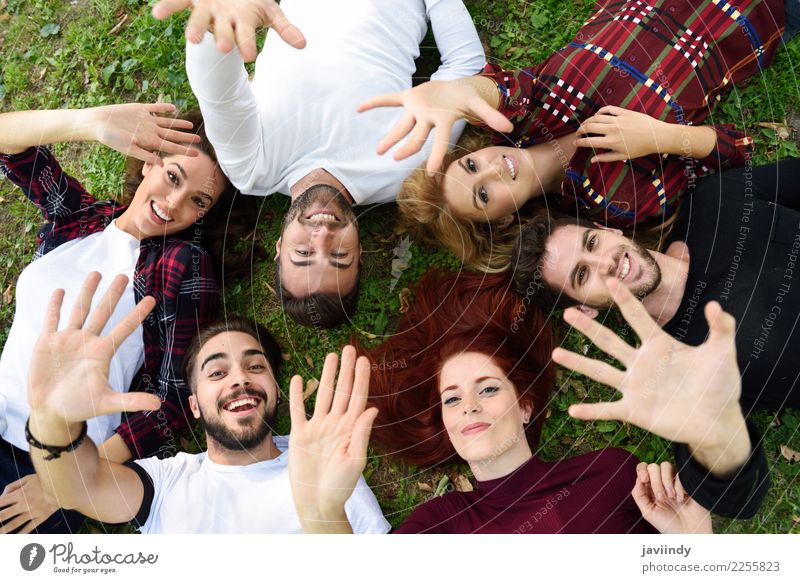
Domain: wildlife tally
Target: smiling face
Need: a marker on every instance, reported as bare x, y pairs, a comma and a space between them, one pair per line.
482, 415
577, 260
490, 184
173, 197
235, 391
318, 250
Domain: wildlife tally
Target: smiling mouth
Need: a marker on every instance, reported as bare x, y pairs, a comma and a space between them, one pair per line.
244, 404
474, 428
159, 213
512, 167
624, 267
322, 216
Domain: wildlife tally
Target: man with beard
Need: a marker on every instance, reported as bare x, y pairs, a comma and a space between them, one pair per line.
736, 241
294, 127
239, 485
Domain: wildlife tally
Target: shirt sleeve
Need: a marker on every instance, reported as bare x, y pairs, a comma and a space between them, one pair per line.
739, 496
424, 519
37, 172
733, 149
190, 301
516, 91
231, 114
364, 512
456, 38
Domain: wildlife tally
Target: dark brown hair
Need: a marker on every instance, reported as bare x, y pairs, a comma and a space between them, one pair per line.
454, 313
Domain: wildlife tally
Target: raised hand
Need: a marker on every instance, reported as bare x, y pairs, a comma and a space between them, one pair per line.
24, 505
626, 134
682, 393
137, 129
233, 22
437, 105
328, 452
665, 504
68, 377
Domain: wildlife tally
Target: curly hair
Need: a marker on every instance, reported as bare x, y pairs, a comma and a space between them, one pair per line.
454, 313
425, 214
231, 220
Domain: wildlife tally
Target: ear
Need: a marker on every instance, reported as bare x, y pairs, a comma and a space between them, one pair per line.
360, 251
278, 248
591, 312
193, 406
503, 222
146, 168
610, 229
527, 413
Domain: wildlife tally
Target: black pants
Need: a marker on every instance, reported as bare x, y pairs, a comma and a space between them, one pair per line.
15, 464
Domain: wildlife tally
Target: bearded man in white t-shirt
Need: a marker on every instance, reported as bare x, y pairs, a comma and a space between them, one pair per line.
294, 127
239, 485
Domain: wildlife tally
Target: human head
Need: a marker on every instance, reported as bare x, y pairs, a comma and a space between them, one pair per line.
228, 361
318, 259
455, 314
563, 261
425, 212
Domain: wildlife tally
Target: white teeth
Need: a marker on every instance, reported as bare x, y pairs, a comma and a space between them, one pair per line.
626, 267
240, 402
159, 213
322, 217
510, 165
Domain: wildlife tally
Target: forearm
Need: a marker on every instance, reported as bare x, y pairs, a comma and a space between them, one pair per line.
115, 449
20, 130
727, 450
689, 141
68, 479
315, 520
485, 88
457, 40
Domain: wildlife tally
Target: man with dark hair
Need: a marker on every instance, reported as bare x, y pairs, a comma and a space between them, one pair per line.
294, 127
737, 241
239, 485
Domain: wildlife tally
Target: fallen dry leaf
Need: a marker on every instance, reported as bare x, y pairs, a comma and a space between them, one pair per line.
286, 357
8, 295
424, 487
309, 360
790, 454
118, 25
462, 484
271, 289
4, 17
781, 129
311, 387
405, 303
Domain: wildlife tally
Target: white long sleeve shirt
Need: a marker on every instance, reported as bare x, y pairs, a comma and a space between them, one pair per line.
299, 111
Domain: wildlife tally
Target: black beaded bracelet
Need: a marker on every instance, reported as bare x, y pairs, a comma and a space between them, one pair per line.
54, 451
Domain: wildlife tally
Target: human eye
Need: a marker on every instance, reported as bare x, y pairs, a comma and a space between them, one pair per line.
173, 177
471, 165
302, 252
257, 366
592, 243
216, 374
483, 195
199, 202
489, 390
583, 273
451, 401
339, 255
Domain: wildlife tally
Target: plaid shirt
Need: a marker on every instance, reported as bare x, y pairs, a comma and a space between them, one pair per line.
177, 273
670, 59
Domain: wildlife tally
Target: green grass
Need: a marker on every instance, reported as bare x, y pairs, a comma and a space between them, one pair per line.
57, 55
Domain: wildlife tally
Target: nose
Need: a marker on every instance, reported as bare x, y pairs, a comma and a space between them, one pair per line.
175, 198
241, 378
471, 406
605, 265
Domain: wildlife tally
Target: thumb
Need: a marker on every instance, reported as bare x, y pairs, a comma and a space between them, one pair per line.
598, 411
490, 116
167, 8
131, 402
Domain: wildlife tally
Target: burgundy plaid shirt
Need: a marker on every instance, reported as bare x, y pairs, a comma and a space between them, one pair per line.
177, 273
670, 59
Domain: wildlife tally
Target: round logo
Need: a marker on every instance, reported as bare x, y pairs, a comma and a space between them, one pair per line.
31, 556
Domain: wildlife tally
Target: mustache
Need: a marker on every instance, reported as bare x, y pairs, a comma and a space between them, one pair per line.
246, 392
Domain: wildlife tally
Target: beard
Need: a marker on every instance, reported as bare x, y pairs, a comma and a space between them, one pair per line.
248, 435
647, 263
321, 194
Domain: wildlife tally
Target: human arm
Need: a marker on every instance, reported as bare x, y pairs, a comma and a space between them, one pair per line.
456, 39
664, 503
67, 385
233, 22
328, 453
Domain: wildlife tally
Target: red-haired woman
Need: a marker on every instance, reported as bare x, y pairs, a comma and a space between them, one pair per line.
475, 378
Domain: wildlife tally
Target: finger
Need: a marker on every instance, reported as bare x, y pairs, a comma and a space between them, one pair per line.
53, 313
397, 133
490, 116
83, 304
667, 478
131, 402
177, 136
641, 472
441, 143
223, 33
358, 400
136, 151
386, 100
610, 110
655, 481
28, 528
160, 107
415, 142
359, 441
642, 495
297, 410
326, 382
173, 145
595, 143
12, 487
609, 157
721, 325
199, 22
602, 337
600, 371
166, 8
14, 524
680, 490
246, 40
610, 410
285, 29
593, 127
344, 384
633, 310
131, 321
106, 305
13, 507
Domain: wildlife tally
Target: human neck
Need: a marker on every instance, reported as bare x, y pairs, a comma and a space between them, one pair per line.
502, 465
318, 176
127, 226
266, 450
550, 160
663, 302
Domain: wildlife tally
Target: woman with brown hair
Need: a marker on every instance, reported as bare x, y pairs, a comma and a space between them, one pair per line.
178, 193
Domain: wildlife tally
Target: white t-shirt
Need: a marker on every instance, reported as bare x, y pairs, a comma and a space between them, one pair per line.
111, 252
192, 494
299, 111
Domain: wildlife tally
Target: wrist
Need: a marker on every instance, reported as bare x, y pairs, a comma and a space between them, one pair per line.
86, 125
322, 519
728, 449
52, 429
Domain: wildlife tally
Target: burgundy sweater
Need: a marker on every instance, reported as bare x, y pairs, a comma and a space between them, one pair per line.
586, 494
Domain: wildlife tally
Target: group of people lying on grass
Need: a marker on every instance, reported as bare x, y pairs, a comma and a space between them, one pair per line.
608, 129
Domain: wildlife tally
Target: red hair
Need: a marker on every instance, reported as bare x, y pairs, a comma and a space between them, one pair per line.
454, 313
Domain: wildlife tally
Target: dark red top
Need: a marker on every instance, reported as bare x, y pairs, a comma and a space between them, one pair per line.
586, 494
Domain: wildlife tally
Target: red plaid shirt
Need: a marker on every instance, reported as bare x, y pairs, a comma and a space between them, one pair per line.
177, 273
670, 59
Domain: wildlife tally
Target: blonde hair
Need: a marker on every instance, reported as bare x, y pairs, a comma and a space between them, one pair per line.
425, 214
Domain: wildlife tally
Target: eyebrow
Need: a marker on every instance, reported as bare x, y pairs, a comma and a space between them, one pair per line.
474, 188
183, 172
222, 355
480, 380
333, 262
574, 274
